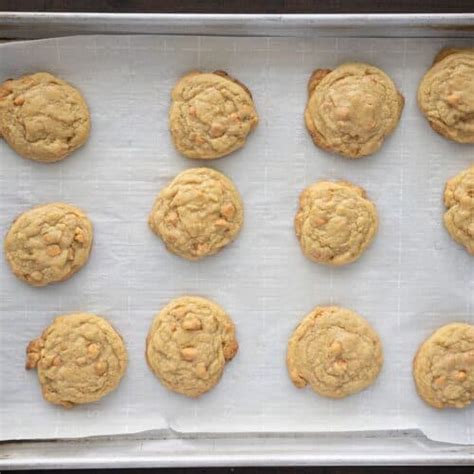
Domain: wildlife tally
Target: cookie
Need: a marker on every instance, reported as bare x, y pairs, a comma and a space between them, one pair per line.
42, 117
198, 213
211, 115
335, 351
80, 358
443, 367
459, 199
189, 342
351, 109
335, 222
48, 243
446, 95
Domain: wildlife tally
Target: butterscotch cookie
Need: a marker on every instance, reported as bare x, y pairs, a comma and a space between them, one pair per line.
335, 222
198, 213
459, 199
335, 351
443, 367
48, 243
351, 109
42, 117
189, 342
211, 115
80, 358
446, 94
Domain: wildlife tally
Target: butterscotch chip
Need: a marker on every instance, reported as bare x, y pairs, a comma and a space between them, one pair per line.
443, 367
211, 115
49, 243
446, 94
352, 109
335, 222
335, 351
189, 342
459, 200
43, 118
197, 214
80, 358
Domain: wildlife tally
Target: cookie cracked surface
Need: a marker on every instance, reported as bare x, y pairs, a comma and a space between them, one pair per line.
335, 222
211, 115
189, 342
80, 358
443, 367
43, 118
446, 94
49, 243
198, 213
459, 200
335, 351
351, 109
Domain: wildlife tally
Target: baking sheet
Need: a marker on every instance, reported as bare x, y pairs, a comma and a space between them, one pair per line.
412, 279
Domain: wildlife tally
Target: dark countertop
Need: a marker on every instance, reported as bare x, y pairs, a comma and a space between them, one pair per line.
285, 470
242, 6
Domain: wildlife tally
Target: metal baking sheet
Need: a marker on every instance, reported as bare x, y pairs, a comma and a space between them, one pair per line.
47, 25
198, 435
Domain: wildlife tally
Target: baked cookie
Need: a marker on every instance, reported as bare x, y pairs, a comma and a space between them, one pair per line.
211, 115
198, 213
443, 367
335, 222
351, 109
80, 358
335, 351
42, 117
48, 243
459, 199
189, 342
446, 94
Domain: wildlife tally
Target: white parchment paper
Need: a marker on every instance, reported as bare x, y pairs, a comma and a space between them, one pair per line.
413, 279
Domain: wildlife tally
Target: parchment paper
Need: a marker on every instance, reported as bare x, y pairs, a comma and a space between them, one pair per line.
413, 279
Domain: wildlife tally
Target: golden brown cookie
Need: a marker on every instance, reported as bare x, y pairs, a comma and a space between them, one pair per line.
189, 342
48, 243
443, 367
198, 213
459, 199
211, 115
335, 222
352, 109
335, 351
80, 358
446, 94
42, 117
